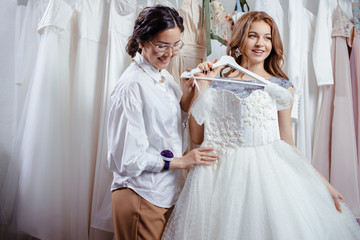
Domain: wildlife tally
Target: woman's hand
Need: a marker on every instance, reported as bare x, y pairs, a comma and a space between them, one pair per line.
196, 157
335, 195
190, 92
207, 69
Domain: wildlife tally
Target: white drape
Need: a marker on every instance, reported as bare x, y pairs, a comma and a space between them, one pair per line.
44, 154
116, 62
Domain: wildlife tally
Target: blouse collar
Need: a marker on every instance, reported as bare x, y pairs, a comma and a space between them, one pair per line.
148, 68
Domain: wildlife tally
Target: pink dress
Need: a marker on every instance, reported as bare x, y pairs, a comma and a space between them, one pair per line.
335, 153
355, 73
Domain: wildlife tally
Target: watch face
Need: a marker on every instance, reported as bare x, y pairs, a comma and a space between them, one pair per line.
167, 155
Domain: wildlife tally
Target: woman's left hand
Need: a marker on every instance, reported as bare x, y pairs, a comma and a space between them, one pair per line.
336, 196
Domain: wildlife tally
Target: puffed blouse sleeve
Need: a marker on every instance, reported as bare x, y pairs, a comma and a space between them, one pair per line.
202, 106
128, 144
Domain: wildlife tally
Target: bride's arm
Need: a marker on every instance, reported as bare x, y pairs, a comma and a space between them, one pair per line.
284, 118
196, 131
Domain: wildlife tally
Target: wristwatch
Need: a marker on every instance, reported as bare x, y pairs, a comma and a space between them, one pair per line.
167, 156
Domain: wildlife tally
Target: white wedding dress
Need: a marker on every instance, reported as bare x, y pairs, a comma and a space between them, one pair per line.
260, 187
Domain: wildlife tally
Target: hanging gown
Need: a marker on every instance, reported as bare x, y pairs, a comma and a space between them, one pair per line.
121, 22
301, 74
335, 154
193, 37
43, 201
27, 43
93, 16
260, 187
355, 76
322, 43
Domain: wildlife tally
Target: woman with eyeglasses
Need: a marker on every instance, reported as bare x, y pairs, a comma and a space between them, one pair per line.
146, 126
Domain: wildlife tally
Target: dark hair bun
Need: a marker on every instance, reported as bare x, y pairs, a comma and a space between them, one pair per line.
150, 22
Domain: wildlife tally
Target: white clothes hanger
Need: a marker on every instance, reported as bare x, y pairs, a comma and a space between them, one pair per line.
230, 80
226, 61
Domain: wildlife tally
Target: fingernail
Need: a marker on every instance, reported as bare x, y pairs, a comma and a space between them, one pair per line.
203, 71
206, 72
211, 69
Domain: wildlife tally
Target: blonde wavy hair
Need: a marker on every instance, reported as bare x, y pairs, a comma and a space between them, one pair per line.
274, 62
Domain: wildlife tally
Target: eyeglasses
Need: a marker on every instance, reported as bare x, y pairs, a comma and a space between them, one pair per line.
164, 48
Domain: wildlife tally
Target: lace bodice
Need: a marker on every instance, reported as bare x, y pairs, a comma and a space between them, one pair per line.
240, 118
342, 26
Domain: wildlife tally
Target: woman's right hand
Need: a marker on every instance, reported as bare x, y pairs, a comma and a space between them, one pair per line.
337, 197
196, 157
190, 93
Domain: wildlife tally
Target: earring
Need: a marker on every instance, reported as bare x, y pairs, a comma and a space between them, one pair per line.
237, 52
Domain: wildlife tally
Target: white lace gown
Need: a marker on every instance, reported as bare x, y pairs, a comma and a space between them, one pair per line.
260, 187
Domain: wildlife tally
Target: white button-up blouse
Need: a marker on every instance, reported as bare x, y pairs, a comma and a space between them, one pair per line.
145, 118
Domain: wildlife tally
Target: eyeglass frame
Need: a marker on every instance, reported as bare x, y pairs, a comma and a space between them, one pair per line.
167, 47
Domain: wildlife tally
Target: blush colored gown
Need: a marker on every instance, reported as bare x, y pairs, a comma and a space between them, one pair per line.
355, 76
335, 154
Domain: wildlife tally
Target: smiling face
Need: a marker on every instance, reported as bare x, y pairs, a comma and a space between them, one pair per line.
160, 61
258, 44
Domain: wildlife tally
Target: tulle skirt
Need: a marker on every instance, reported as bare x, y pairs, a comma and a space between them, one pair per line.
263, 192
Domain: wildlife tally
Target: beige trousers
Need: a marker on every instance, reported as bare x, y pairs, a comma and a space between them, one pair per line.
135, 218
